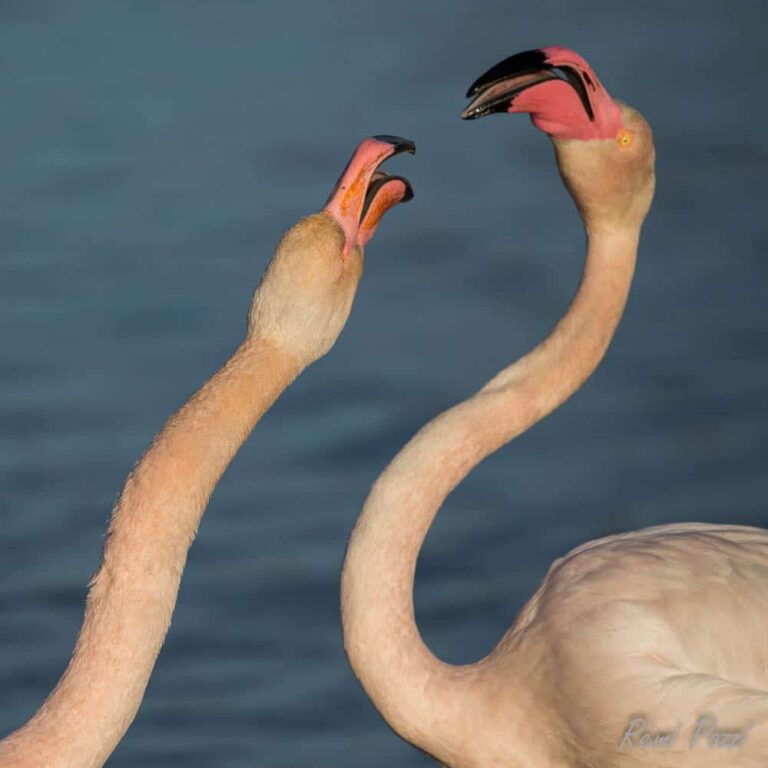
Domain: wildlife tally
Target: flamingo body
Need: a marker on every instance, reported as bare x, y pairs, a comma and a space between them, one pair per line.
644, 649
648, 633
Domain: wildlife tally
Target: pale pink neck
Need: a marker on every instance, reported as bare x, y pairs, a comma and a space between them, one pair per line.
134, 591
422, 698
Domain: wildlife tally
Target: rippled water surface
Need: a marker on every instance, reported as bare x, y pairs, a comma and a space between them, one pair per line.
153, 153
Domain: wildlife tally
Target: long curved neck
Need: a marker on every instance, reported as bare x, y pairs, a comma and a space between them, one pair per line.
133, 593
425, 700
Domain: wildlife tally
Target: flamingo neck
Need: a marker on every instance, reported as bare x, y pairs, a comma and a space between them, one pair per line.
426, 701
133, 593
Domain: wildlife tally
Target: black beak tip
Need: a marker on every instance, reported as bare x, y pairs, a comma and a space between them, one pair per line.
408, 195
517, 64
399, 144
483, 110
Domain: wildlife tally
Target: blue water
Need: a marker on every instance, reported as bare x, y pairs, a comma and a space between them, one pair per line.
152, 155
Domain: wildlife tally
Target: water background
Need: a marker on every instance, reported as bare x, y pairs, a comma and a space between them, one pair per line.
153, 153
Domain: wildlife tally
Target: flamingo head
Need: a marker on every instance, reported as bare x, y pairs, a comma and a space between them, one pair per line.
306, 294
604, 147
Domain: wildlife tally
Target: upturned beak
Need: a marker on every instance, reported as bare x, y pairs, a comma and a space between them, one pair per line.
555, 85
363, 193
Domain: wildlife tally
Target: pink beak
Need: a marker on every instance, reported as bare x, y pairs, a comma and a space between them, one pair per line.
363, 194
556, 86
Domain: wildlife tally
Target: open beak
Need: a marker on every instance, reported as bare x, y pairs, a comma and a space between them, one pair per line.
555, 85
363, 193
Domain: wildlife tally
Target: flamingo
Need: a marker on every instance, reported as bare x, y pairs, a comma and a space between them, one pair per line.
297, 313
645, 648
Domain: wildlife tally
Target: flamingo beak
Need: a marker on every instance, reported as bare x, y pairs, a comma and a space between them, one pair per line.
363, 193
556, 86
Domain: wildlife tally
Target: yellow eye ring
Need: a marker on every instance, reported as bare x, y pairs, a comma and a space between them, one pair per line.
624, 138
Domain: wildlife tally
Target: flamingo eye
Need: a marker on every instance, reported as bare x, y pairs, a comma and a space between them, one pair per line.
624, 138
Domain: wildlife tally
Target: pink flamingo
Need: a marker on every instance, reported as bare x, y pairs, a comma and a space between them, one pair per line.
647, 648
297, 313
